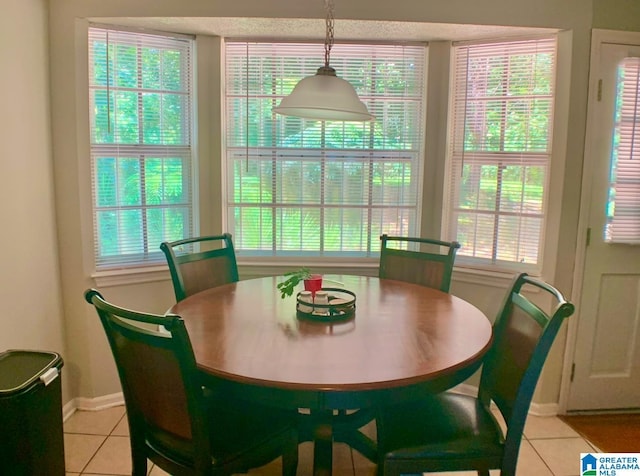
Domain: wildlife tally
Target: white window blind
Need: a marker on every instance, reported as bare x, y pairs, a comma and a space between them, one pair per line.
499, 150
140, 111
311, 188
623, 210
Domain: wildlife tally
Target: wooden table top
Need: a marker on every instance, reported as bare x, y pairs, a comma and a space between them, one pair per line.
401, 334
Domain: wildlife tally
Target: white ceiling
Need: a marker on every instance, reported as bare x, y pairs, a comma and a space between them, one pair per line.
314, 29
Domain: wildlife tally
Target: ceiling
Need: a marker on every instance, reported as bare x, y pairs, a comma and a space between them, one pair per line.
314, 29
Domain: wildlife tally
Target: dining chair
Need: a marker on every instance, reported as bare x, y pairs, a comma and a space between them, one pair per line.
200, 263
181, 426
427, 266
453, 432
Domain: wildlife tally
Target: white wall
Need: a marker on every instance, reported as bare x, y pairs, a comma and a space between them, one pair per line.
30, 294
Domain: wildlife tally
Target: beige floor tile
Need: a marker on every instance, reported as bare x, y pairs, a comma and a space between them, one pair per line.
122, 428
79, 449
530, 463
305, 459
342, 462
343, 459
113, 457
562, 455
72, 474
94, 423
370, 429
363, 467
547, 427
155, 471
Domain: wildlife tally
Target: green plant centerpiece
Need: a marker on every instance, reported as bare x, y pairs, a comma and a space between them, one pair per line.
287, 286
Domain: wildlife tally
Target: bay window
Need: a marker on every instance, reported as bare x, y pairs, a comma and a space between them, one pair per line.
321, 189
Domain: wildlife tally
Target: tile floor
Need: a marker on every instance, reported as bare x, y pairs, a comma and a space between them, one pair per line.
97, 443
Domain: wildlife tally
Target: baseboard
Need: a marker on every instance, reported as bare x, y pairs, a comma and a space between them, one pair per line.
92, 404
544, 409
466, 389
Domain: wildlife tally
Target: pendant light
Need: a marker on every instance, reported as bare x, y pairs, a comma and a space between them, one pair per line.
325, 96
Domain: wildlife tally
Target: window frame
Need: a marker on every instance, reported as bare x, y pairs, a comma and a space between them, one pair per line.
362, 258
553, 162
145, 153
622, 223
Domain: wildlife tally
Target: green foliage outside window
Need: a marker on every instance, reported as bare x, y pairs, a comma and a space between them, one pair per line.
313, 188
140, 140
504, 104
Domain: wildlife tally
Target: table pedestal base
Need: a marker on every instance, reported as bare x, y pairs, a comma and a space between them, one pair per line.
324, 427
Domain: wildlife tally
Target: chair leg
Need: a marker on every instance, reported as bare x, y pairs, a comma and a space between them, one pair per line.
290, 457
483, 472
139, 464
138, 449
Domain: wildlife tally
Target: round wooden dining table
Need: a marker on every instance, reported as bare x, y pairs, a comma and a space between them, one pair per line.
402, 342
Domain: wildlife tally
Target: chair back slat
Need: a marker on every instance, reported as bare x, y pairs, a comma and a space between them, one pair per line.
159, 378
200, 263
429, 263
523, 335
209, 272
411, 267
154, 380
515, 345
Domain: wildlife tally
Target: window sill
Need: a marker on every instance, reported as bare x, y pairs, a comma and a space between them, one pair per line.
255, 269
483, 277
119, 277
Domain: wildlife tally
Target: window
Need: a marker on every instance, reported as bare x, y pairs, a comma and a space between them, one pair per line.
499, 151
141, 137
623, 208
316, 189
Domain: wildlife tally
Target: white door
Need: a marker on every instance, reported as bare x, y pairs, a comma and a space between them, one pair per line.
606, 373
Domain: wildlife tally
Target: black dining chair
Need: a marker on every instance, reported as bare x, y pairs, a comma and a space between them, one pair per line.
200, 263
430, 265
454, 432
174, 421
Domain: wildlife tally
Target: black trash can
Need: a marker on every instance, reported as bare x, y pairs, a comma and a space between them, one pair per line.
31, 433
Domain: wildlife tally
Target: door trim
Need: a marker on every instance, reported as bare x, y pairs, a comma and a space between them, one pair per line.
598, 38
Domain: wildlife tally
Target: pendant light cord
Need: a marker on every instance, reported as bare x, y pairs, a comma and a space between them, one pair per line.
328, 40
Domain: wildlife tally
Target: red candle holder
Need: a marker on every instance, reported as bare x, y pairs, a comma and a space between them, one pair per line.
313, 284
